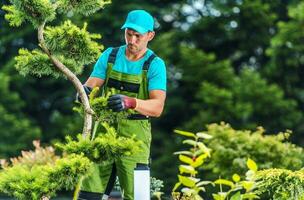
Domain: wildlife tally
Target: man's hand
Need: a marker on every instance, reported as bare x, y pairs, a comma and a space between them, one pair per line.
119, 102
87, 90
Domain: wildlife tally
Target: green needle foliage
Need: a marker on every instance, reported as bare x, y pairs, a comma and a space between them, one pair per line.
38, 64
73, 46
105, 147
34, 63
280, 184
84, 7
41, 173
39, 11
73, 43
102, 112
35, 11
68, 170
14, 16
99, 104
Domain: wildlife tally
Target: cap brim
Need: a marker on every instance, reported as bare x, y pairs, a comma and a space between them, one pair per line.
135, 27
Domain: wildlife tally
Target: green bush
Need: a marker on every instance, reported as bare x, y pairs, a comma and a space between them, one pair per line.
280, 184
230, 145
231, 148
106, 146
40, 173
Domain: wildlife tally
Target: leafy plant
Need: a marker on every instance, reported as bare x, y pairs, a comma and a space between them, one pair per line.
236, 187
156, 186
276, 184
192, 159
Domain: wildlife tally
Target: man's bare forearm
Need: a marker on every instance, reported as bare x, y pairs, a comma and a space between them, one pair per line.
152, 107
94, 82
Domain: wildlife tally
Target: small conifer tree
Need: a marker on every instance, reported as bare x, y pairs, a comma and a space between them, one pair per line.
64, 49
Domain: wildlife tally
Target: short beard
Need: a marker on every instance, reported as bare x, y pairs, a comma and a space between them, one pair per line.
132, 49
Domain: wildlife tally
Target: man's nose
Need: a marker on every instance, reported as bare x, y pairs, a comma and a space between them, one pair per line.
132, 39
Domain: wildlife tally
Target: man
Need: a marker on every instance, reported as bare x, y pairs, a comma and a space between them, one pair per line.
138, 77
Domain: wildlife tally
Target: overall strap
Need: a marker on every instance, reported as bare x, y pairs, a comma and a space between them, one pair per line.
148, 62
110, 63
113, 54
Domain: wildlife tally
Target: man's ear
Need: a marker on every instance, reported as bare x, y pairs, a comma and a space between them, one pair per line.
151, 35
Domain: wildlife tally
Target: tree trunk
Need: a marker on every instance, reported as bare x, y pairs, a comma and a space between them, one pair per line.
88, 112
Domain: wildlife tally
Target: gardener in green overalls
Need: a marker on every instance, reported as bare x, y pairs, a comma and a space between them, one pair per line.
138, 77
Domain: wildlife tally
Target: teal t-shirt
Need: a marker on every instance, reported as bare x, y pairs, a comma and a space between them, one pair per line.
156, 74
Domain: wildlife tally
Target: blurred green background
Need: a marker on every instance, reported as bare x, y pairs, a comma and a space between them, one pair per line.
238, 61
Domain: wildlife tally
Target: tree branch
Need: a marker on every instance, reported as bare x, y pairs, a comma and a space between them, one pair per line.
88, 112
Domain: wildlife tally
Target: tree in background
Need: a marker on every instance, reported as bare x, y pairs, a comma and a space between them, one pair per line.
210, 91
215, 70
17, 130
286, 62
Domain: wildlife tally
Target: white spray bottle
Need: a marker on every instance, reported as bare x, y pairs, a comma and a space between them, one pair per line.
142, 182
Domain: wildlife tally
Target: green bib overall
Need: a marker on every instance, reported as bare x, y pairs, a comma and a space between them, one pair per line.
138, 125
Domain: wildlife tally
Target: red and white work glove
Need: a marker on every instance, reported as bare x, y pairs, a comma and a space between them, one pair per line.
119, 102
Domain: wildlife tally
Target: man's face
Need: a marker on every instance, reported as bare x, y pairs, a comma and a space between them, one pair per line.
136, 42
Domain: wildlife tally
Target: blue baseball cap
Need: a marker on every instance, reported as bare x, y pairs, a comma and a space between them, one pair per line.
140, 21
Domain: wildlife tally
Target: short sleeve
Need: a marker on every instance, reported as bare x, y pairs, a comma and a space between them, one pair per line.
100, 66
157, 78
